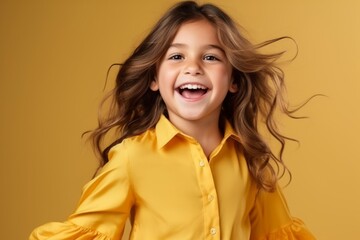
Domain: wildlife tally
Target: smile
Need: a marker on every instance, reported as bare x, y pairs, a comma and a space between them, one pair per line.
192, 91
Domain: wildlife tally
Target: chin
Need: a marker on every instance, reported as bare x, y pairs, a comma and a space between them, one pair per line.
192, 117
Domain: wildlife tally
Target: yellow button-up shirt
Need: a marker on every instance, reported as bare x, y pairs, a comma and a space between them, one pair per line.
163, 181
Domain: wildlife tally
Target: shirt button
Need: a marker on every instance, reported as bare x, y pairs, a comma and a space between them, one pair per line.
213, 231
210, 198
202, 163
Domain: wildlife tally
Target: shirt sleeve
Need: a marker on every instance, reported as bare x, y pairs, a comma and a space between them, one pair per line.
271, 219
103, 208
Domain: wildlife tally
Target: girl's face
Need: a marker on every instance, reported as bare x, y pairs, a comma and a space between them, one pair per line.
194, 76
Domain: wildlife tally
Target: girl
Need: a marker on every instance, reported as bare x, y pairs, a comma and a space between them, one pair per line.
188, 161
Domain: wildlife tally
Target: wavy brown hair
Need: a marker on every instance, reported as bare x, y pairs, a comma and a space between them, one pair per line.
135, 108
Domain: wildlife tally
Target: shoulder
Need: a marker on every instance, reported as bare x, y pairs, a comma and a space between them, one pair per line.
137, 144
130, 150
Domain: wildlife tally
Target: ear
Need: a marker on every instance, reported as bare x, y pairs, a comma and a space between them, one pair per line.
233, 88
154, 85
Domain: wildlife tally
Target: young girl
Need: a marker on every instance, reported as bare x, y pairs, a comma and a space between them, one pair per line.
188, 161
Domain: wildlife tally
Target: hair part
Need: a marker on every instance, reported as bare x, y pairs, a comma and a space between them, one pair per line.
135, 108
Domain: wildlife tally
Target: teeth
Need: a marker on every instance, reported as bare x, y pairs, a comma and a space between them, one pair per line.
192, 86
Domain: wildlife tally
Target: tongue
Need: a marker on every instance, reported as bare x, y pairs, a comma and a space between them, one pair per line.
192, 94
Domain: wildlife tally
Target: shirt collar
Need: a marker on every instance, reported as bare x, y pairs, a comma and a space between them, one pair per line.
230, 132
166, 131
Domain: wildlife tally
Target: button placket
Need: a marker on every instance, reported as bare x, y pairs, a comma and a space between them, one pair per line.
208, 191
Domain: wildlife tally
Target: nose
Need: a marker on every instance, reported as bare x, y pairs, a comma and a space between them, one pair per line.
193, 67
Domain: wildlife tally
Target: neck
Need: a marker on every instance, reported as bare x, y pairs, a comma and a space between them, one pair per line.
205, 131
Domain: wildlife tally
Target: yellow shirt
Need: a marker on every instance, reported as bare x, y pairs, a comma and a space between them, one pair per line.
162, 180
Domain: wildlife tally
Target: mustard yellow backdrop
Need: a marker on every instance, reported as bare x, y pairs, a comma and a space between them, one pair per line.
53, 60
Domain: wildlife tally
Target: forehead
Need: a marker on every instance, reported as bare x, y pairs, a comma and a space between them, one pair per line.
199, 32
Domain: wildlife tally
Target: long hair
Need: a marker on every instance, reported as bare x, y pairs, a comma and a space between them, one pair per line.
135, 108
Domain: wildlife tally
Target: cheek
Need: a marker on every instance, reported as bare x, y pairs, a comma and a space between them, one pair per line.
166, 76
222, 74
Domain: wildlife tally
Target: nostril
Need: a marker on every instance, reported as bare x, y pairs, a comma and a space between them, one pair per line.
193, 69
193, 72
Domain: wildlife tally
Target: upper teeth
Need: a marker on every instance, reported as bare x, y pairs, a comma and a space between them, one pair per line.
192, 86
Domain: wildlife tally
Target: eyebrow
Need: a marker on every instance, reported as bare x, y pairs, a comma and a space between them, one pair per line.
210, 46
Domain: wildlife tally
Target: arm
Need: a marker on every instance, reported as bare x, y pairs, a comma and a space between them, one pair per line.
271, 219
104, 206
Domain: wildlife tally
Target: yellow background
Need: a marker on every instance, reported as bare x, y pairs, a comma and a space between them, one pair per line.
53, 60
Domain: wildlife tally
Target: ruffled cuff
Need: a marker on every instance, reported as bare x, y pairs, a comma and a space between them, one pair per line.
296, 230
66, 231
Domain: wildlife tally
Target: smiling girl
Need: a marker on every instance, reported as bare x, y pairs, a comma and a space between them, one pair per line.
193, 78
188, 161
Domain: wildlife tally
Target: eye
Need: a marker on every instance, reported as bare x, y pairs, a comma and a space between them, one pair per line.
176, 57
210, 58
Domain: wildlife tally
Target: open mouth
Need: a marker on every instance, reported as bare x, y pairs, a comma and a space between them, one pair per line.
192, 91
